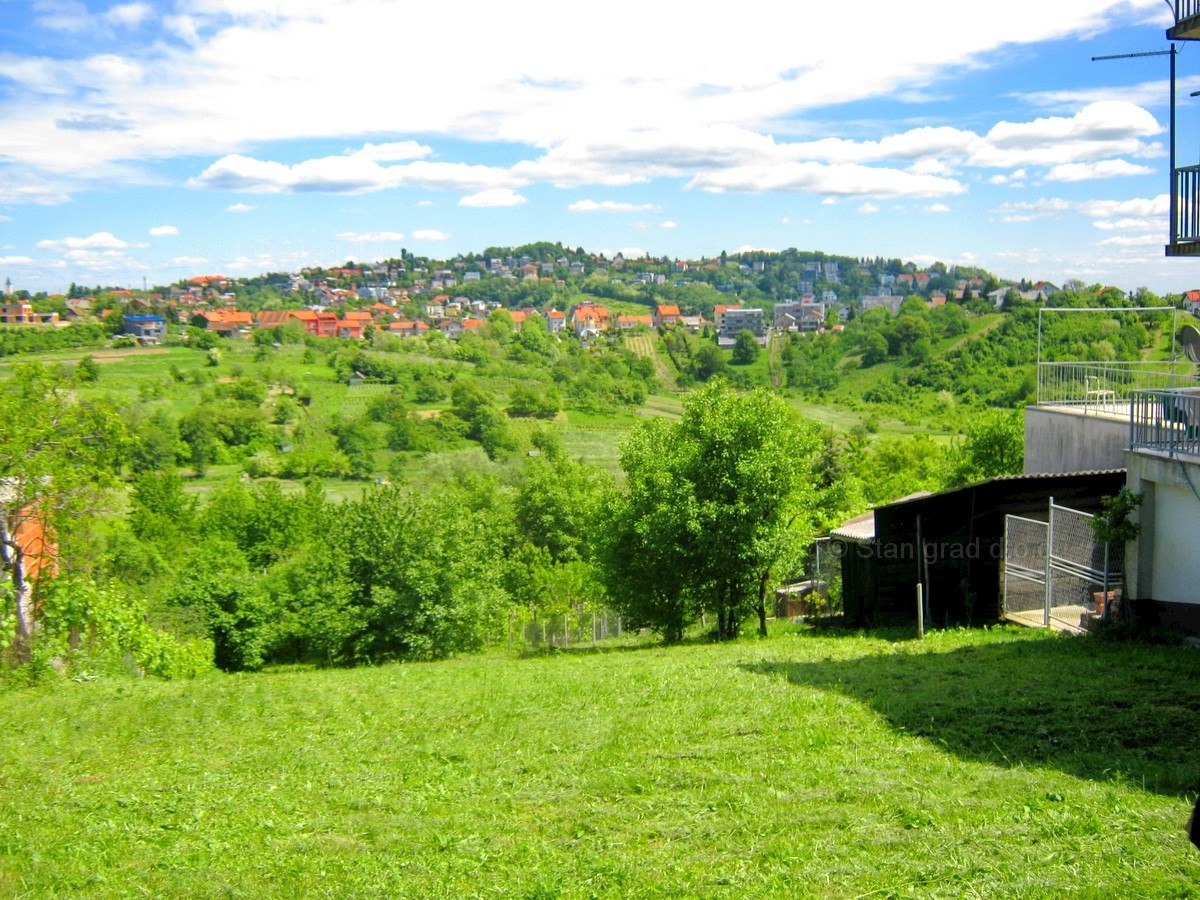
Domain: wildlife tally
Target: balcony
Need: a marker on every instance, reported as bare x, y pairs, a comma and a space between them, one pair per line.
1187, 21
1108, 388
1185, 183
1166, 422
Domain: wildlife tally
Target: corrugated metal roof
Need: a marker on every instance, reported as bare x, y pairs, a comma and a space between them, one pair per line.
1035, 476
860, 529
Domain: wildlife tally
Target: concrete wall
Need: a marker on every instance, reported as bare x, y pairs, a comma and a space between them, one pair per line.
1163, 565
1066, 440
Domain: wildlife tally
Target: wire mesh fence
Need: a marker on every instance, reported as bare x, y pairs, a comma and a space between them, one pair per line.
1024, 564
1068, 584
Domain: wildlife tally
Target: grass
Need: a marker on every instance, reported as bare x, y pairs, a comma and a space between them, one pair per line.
996, 763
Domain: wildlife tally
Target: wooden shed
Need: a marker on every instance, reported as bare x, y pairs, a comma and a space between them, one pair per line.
952, 543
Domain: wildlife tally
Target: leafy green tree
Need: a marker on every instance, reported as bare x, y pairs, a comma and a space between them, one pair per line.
401, 584
745, 348
714, 503
161, 512
875, 348
215, 582
708, 361
58, 459
88, 369
994, 444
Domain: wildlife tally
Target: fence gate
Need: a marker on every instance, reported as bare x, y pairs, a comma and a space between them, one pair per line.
1025, 568
1056, 568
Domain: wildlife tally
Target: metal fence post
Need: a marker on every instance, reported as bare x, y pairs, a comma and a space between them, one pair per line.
1049, 561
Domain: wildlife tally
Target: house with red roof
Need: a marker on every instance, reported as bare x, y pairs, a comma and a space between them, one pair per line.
628, 323
1191, 302
665, 314
407, 328
590, 319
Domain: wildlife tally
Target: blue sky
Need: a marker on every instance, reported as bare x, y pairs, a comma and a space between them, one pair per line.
161, 140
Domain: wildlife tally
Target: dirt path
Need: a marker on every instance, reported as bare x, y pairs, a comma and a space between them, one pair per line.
962, 341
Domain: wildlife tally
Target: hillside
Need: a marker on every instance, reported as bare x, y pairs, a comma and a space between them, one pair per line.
807, 765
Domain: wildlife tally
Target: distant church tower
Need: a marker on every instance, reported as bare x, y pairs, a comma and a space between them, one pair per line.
7, 287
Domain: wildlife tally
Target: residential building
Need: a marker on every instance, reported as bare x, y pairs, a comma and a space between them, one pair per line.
147, 329
735, 321
665, 314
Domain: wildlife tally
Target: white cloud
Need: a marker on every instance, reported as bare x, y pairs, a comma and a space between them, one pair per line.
163, 230
937, 208
101, 240
842, 180
609, 206
188, 261
1105, 168
370, 236
15, 260
354, 173
829, 201
668, 225
493, 197
240, 208
430, 234
868, 208
6, 218
128, 15
424, 203
1142, 240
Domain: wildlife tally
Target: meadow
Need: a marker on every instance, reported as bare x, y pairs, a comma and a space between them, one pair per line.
974, 763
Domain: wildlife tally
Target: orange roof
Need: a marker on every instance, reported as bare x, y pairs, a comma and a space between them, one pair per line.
472, 323
270, 317
635, 320
358, 316
555, 314
668, 309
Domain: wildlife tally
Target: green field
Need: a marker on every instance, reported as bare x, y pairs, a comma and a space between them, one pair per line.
998, 763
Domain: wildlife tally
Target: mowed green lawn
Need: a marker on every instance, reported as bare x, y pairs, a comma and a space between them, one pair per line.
972, 764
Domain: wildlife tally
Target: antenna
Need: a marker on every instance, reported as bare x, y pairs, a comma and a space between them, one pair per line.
1189, 339
1171, 192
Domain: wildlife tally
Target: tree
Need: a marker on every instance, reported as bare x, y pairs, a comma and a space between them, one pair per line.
58, 458
993, 445
745, 348
708, 361
714, 503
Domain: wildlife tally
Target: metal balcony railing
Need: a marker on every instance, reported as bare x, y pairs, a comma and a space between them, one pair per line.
1186, 184
1165, 421
1187, 21
1107, 387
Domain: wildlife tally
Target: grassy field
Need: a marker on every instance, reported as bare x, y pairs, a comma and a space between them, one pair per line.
996, 763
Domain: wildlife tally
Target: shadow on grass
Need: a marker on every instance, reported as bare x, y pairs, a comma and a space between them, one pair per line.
1092, 709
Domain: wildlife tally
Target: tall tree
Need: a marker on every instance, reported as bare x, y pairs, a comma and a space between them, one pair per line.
59, 455
714, 504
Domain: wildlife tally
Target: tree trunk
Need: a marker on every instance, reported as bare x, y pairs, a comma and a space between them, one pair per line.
762, 602
14, 564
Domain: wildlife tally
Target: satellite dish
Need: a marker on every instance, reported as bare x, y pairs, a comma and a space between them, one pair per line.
1189, 340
